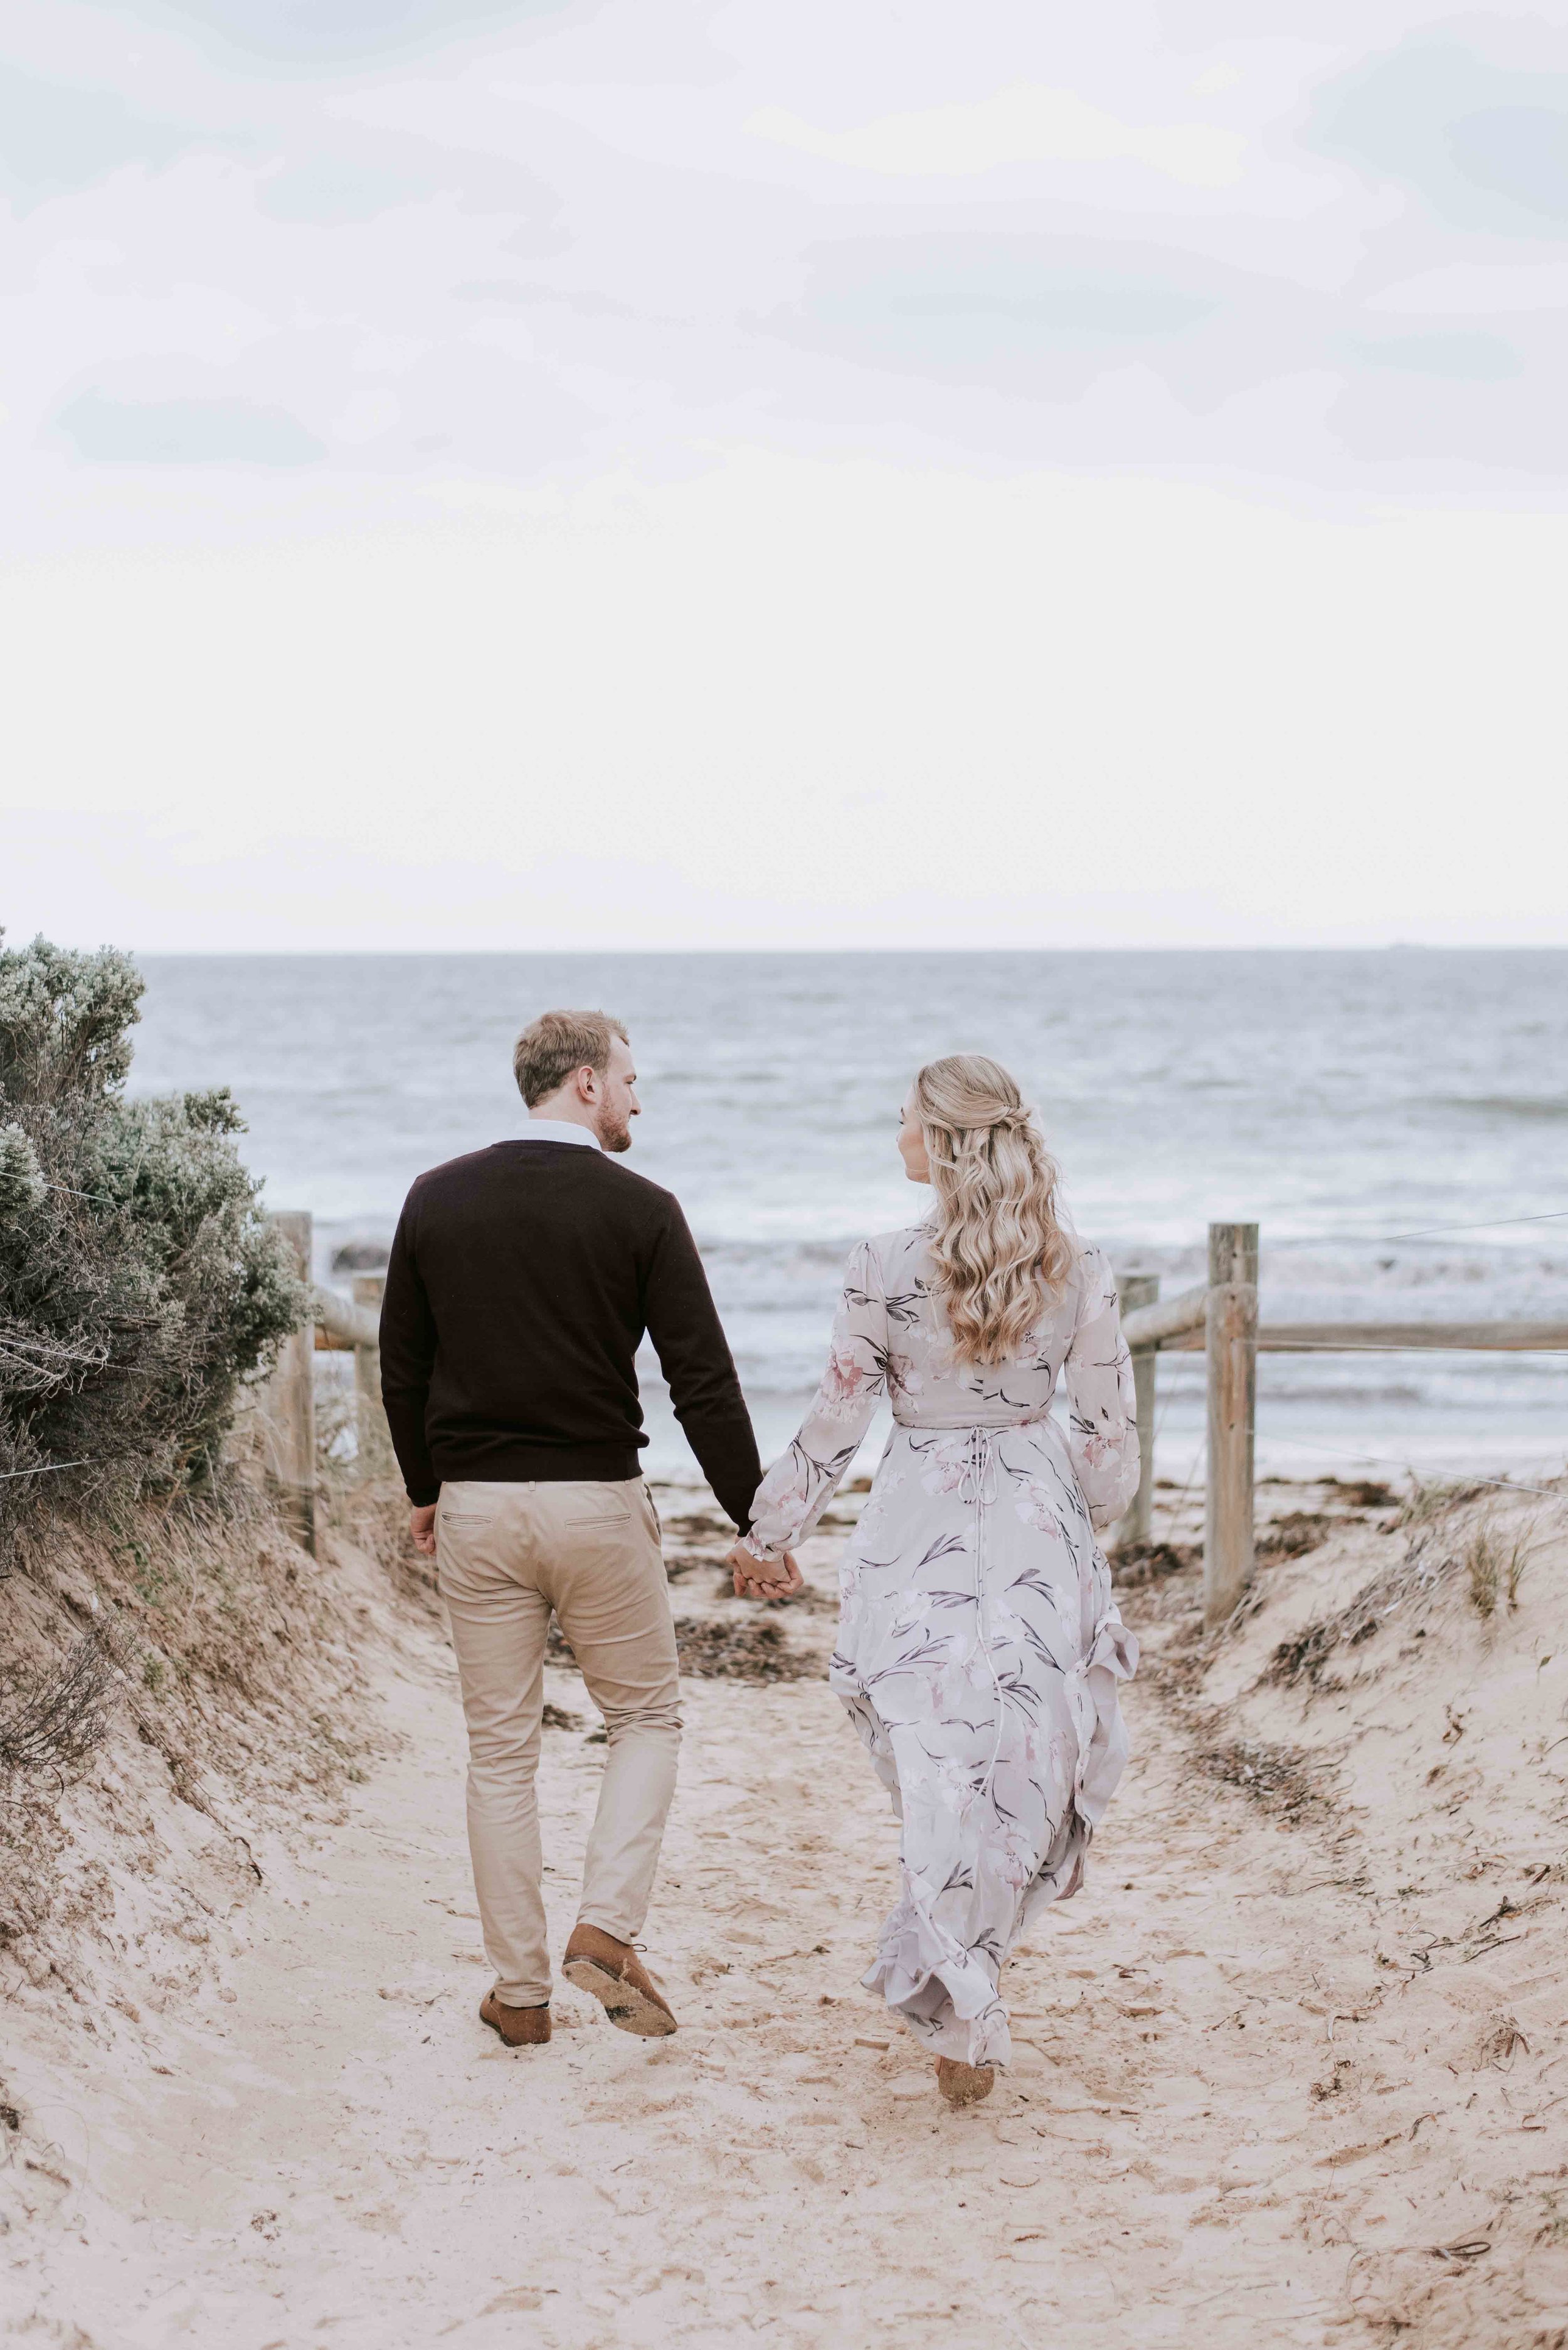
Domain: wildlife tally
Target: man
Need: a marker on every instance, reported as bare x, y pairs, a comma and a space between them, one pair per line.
521, 1280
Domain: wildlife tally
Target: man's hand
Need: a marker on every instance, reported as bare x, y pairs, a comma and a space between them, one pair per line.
421, 1525
757, 1578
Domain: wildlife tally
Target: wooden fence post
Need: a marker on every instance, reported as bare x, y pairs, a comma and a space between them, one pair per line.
288, 1402
375, 1438
1231, 1340
1140, 1289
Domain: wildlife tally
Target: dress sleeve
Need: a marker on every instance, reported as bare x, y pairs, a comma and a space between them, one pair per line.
1101, 1408
803, 1481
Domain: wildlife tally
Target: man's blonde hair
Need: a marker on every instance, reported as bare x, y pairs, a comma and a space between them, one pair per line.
555, 1043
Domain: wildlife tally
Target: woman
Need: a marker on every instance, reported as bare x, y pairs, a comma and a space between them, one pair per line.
980, 1648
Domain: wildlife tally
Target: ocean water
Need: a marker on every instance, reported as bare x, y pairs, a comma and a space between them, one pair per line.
1344, 1100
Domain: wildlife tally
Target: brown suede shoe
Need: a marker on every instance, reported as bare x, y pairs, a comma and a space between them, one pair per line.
520, 2027
964, 2084
617, 1979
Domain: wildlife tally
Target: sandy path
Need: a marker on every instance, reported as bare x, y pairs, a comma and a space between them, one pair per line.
338, 2153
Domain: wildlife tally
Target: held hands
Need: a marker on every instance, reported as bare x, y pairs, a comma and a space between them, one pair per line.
758, 1578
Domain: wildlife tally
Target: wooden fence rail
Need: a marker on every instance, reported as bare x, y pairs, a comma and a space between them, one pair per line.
286, 1403
286, 1407
1395, 1338
342, 1328
1168, 1324
1219, 1315
1139, 1292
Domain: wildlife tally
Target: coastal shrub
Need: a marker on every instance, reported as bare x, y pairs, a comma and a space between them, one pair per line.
139, 1284
56, 1714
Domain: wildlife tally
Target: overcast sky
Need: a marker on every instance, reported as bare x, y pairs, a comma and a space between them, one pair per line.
489, 472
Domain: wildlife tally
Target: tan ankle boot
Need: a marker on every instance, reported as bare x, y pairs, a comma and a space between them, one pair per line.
520, 2027
617, 1979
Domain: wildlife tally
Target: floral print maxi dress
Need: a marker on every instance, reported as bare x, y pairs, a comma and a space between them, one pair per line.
979, 1646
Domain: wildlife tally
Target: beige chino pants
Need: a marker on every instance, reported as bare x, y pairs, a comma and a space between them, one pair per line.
508, 1556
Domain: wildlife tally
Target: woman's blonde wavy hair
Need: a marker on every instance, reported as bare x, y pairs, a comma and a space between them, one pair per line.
999, 1249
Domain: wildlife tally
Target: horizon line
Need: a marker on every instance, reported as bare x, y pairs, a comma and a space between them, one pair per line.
1170, 947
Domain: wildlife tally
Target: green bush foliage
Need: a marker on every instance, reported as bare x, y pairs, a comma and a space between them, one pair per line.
139, 1283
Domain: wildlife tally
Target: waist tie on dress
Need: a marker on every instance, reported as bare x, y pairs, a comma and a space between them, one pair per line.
978, 1481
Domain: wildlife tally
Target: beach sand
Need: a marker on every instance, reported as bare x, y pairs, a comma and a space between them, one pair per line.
1290, 2070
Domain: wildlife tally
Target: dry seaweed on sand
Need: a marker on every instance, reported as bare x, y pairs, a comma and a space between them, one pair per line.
1136, 1564
1362, 1492
1293, 1536
723, 1648
1282, 1779
757, 1649
696, 1525
679, 1565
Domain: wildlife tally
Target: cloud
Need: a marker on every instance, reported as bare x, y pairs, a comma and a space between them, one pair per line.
304, 33
185, 433
55, 136
1473, 358
1484, 144
1025, 124
1519, 151
330, 190
531, 260
1032, 316
307, 163
334, 173
1479, 289
514, 407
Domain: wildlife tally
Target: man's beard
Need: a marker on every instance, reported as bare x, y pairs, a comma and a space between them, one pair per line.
614, 1132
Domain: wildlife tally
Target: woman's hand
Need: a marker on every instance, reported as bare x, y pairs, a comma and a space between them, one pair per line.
758, 1578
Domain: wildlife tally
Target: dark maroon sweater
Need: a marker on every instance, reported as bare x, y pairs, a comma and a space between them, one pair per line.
521, 1280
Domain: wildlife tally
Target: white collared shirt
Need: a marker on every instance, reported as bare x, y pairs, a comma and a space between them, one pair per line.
560, 1129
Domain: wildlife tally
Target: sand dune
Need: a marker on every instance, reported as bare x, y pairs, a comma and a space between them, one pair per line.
1290, 2071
